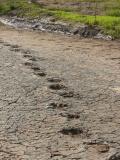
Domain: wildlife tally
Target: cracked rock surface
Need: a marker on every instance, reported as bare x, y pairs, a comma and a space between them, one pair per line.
59, 97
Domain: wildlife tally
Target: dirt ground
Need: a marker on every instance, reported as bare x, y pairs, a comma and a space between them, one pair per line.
59, 97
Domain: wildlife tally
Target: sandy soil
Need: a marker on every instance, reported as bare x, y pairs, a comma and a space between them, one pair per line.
59, 97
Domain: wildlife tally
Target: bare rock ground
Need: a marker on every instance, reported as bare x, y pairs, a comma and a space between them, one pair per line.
59, 97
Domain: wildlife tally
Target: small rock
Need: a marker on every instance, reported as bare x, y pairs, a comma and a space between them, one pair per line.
102, 148
104, 37
75, 31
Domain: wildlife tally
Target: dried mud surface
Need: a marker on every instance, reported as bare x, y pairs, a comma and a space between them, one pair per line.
59, 97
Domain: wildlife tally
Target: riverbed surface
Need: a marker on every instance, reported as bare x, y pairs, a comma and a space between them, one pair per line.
59, 97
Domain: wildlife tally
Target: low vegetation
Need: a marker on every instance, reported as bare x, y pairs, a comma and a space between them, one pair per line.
106, 15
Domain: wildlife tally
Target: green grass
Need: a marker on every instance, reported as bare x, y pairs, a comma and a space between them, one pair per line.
113, 12
110, 23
